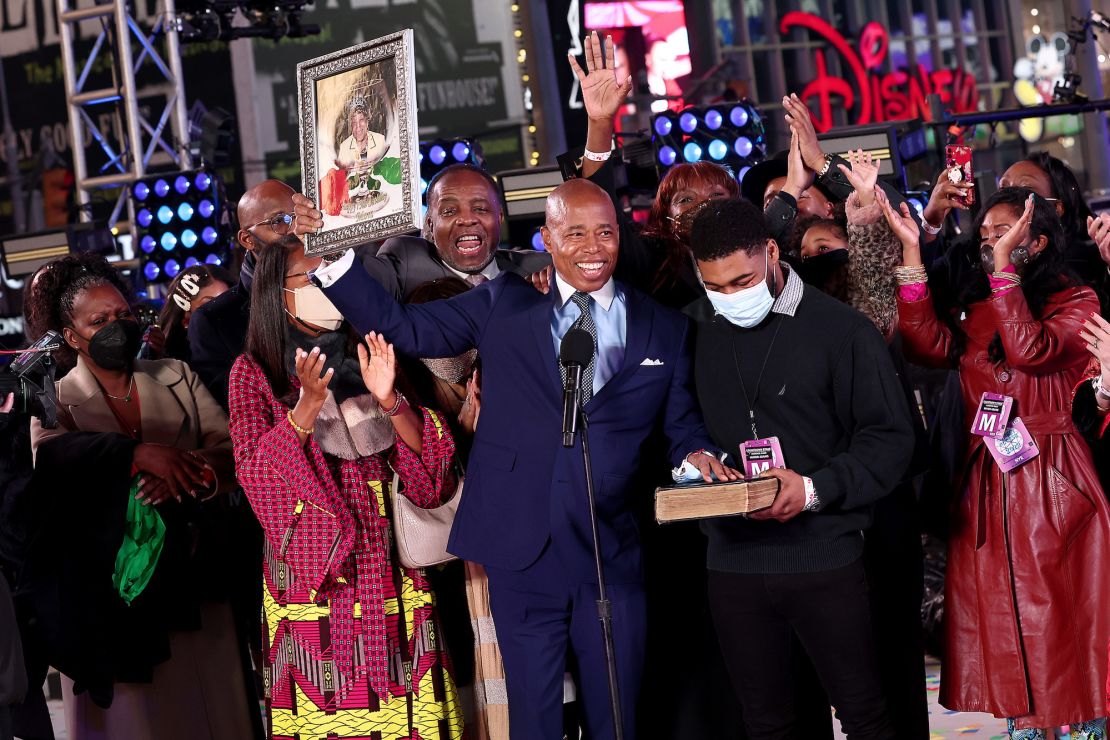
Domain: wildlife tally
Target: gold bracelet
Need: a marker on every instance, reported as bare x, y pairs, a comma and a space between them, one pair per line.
1011, 277
297, 427
914, 275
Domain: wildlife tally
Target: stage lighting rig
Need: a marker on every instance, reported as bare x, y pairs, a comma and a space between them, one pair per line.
212, 20
438, 154
729, 134
180, 219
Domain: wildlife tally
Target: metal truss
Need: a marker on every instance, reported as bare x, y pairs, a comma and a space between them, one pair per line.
120, 36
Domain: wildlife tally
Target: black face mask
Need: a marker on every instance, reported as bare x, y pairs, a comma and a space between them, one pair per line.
1019, 258
114, 347
816, 270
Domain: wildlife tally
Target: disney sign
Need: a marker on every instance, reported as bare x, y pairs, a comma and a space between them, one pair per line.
873, 95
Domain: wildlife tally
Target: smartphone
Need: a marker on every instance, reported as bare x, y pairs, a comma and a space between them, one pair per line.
958, 164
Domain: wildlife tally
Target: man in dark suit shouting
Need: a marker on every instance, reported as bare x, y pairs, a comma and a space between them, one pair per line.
462, 230
525, 515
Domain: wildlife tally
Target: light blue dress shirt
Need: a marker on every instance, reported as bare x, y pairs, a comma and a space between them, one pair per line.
610, 315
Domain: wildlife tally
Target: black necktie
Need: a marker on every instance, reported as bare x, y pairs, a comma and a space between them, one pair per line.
586, 323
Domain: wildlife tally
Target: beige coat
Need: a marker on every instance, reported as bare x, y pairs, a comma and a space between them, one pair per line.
176, 410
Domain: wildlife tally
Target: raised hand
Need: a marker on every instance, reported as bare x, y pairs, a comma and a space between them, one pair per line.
863, 174
800, 122
799, 178
901, 221
604, 86
944, 198
378, 364
472, 404
1098, 229
1096, 333
1016, 237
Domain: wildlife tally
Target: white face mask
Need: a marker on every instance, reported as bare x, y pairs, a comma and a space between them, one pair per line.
311, 306
747, 307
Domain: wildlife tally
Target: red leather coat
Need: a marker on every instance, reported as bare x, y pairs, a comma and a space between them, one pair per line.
1026, 620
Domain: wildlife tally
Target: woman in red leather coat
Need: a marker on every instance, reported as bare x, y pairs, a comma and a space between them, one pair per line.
1026, 625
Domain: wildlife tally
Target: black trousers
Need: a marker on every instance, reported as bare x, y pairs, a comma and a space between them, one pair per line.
757, 617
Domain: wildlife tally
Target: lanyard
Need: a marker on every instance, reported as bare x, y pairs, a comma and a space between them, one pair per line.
758, 381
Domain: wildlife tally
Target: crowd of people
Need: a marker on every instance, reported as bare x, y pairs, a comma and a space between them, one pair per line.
212, 524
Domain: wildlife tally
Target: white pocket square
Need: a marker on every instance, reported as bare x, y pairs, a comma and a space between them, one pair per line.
648, 362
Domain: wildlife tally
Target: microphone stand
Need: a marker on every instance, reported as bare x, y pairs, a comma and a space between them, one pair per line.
604, 607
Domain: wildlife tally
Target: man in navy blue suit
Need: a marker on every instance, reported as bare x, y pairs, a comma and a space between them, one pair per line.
525, 515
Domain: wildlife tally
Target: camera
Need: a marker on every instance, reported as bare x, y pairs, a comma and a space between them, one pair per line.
30, 378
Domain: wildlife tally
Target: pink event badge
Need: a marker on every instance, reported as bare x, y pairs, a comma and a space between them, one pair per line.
760, 455
1014, 449
993, 416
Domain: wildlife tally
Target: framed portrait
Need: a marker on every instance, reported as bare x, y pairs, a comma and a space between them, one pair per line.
359, 146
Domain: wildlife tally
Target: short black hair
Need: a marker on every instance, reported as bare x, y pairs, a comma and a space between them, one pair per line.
465, 167
726, 227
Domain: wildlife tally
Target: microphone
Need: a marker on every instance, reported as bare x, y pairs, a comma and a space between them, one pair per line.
575, 353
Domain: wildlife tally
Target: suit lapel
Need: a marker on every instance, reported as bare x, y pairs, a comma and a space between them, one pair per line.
80, 393
540, 317
163, 416
637, 333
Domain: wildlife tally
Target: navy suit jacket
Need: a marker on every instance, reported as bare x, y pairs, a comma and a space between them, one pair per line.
523, 488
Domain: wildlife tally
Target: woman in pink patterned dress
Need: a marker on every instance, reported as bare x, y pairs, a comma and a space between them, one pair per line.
352, 645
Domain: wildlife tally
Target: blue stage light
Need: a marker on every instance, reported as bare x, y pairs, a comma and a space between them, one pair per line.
169, 241
151, 271
537, 241
172, 268
205, 208
713, 119
202, 181
191, 262
212, 260
688, 122
140, 191
185, 211
437, 154
165, 214
667, 155
423, 186
743, 146
148, 244
188, 238
739, 116
692, 151
718, 149
161, 188
181, 184
740, 175
208, 236
144, 217
460, 151
663, 125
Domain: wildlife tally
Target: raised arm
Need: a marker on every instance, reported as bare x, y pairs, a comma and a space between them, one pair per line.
437, 329
604, 90
926, 340
287, 481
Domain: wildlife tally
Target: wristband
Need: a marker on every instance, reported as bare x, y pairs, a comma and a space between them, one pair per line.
595, 156
928, 228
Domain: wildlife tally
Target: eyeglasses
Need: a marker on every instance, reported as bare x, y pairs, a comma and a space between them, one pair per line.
279, 224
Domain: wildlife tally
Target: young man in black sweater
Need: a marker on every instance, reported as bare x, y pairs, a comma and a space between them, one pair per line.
777, 360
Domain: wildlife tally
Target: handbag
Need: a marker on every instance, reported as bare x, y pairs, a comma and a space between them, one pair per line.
422, 534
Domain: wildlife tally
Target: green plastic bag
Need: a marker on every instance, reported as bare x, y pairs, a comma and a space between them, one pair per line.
137, 558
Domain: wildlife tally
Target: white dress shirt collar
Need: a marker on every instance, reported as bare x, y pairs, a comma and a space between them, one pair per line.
603, 296
490, 271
